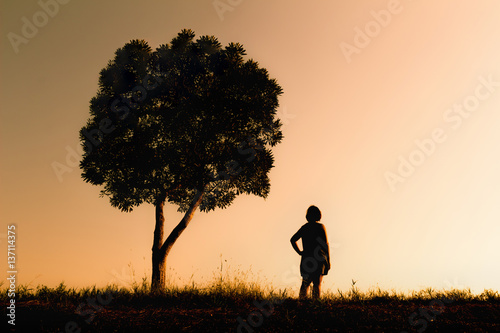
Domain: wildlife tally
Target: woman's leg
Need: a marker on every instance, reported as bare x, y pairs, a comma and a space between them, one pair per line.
304, 287
316, 286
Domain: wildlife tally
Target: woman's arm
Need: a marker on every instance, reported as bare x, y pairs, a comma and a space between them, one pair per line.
327, 248
294, 240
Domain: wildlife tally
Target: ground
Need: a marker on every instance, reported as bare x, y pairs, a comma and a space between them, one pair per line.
213, 313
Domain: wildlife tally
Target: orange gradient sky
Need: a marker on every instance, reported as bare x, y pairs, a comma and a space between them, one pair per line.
366, 84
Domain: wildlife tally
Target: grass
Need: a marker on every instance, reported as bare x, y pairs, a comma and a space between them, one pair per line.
236, 290
240, 303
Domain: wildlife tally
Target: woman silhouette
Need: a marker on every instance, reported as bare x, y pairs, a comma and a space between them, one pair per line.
315, 261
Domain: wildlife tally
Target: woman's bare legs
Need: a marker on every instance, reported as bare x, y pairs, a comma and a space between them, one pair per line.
306, 282
316, 287
304, 288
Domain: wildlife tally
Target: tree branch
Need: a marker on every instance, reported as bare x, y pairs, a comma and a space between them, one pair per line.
160, 220
169, 242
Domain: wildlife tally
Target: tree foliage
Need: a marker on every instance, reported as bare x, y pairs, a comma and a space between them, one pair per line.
187, 117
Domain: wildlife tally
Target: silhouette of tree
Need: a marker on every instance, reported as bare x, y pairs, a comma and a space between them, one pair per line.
191, 123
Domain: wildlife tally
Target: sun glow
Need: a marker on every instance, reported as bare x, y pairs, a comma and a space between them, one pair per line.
396, 144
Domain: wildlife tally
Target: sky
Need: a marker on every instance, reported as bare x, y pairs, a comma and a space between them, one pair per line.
390, 112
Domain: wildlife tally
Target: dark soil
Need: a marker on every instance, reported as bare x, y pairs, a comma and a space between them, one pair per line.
247, 315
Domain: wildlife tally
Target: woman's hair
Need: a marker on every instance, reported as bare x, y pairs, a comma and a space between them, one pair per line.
313, 214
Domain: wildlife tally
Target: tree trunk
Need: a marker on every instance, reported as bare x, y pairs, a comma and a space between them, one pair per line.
160, 251
159, 261
158, 278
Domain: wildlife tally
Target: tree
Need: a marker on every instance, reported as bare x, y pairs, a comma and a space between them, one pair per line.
191, 123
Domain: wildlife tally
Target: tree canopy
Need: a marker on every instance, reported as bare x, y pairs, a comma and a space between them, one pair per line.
189, 117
